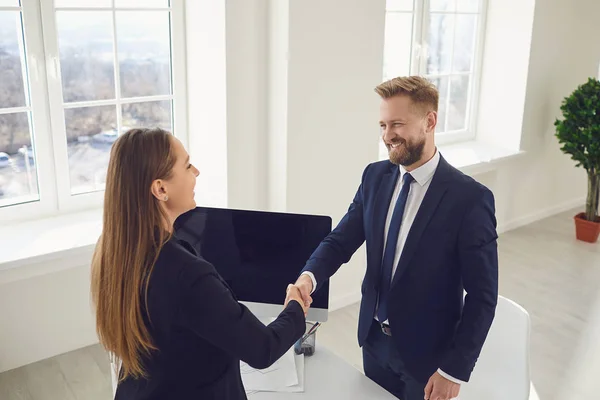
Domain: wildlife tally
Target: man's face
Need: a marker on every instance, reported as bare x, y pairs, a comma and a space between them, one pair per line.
405, 129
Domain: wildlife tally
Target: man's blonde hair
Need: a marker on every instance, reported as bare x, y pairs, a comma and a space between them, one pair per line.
422, 92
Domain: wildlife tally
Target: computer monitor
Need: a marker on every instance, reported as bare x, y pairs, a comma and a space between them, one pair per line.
258, 253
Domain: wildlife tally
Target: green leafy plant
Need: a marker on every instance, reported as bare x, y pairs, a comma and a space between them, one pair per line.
579, 135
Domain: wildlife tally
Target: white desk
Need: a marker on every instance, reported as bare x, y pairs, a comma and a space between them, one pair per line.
328, 377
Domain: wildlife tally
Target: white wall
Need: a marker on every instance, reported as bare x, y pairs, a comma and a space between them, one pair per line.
331, 134
206, 58
330, 131
277, 104
564, 52
45, 314
246, 103
504, 72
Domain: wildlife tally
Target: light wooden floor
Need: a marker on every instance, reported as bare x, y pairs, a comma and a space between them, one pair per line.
542, 267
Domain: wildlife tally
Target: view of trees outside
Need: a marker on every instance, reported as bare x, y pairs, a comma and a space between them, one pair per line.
87, 49
17, 176
451, 54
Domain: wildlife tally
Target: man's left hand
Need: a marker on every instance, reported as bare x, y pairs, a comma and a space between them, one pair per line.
440, 388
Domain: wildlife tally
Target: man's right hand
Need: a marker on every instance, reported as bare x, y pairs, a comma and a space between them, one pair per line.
293, 293
305, 284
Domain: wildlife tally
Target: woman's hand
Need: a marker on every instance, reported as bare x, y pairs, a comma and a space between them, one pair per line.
293, 293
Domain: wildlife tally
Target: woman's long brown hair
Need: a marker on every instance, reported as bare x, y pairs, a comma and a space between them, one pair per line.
133, 233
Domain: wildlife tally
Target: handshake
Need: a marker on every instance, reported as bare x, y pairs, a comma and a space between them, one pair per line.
300, 291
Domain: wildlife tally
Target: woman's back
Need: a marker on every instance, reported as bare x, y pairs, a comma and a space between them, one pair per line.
202, 332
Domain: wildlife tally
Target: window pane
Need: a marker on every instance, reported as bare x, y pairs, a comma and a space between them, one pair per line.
9, 3
442, 5
82, 3
459, 95
85, 40
468, 5
464, 43
91, 131
442, 85
144, 53
439, 52
141, 3
147, 115
397, 48
18, 174
12, 89
399, 5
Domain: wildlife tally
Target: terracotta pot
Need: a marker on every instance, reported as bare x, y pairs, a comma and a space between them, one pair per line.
585, 230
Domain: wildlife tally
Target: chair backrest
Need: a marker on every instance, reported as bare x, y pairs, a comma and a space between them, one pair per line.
502, 371
113, 375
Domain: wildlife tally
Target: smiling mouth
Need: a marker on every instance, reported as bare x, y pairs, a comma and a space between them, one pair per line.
394, 145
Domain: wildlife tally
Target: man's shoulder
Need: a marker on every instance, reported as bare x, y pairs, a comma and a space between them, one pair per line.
377, 169
466, 186
382, 165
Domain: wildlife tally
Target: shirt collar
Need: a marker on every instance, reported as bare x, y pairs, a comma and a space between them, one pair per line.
425, 172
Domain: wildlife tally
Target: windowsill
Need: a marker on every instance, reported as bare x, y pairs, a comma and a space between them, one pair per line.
42, 241
474, 157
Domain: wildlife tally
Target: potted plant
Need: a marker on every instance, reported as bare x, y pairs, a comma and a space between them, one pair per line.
579, 135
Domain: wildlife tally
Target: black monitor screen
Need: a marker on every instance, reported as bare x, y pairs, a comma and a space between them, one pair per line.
257, 253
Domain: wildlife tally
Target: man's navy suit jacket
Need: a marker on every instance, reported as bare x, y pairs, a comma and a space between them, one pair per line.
451, 247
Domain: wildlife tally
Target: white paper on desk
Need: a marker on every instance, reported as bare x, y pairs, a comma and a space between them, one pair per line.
300, 370
285, 375
298, 388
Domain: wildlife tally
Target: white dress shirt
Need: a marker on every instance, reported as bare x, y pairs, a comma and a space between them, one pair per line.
422, 179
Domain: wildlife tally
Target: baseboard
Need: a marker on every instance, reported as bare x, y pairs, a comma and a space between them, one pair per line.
335, 303
541, 214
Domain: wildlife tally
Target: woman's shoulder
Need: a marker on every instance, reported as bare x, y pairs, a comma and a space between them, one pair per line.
182, 261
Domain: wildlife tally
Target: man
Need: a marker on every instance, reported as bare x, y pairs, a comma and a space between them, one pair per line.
430, 233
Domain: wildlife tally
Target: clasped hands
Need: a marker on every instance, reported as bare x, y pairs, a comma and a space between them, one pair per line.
300, 291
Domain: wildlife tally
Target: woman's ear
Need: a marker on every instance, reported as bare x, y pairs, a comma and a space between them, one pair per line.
159, 190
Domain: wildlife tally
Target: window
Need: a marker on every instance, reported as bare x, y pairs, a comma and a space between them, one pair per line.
18, 172
94, 68
441, 40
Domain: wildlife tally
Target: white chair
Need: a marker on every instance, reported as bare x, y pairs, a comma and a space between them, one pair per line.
113, 375
502, 371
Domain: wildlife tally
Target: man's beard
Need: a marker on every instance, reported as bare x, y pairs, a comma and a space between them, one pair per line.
407, 153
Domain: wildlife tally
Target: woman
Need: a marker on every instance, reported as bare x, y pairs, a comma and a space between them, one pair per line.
164, 312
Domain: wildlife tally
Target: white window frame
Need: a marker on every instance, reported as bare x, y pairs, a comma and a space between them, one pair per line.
35, 80
418, 66
43, 74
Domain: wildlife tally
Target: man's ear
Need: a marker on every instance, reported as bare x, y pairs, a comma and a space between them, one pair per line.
432, 119
158, 189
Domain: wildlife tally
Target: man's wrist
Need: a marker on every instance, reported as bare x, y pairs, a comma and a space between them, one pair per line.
449, 377
313, 280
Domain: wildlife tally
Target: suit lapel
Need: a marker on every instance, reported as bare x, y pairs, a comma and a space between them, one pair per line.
380, 211
434, 195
